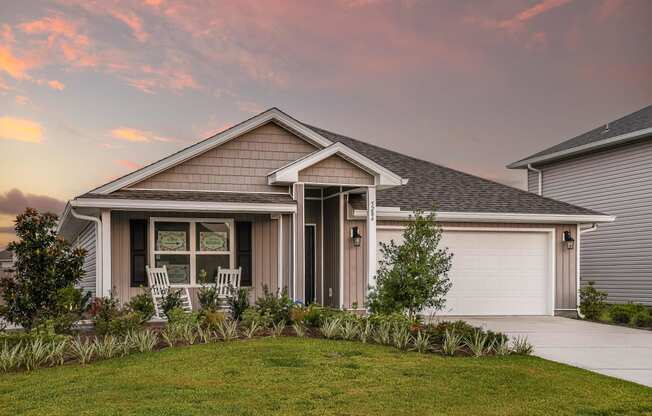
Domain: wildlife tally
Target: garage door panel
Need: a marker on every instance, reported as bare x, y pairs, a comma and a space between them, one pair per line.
495, 272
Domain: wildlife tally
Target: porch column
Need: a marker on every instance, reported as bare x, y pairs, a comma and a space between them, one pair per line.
371, 236
106, 253
298, 290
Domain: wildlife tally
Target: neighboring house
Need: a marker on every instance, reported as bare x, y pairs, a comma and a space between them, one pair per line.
608, 169
6, 260
283, 200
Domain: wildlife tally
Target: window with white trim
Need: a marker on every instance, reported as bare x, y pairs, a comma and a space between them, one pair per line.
192, 249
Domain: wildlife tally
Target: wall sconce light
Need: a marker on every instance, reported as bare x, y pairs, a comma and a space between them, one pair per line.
569, 240
356, 237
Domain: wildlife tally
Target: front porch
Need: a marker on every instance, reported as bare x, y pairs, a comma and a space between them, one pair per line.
300, 243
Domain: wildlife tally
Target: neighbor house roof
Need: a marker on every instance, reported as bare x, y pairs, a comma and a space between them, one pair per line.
634, 126
6, 255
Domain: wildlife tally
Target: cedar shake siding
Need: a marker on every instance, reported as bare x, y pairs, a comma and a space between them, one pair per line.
618, 181
241, 164
265, 253
335, 170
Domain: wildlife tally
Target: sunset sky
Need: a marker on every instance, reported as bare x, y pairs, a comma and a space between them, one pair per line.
90, 90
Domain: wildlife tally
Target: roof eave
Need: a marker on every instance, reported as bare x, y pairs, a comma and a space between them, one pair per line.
172, 205
577, 150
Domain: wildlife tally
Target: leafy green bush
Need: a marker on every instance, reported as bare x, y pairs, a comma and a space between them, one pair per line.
592, 302
642, 319
72, 303
620, 314
414, 275
238, 302
171, 301
208, 298
274, 305
45, 264
143, 305
111, 319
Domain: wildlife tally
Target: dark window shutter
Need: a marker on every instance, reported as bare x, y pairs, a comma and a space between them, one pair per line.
243, 251
138, 238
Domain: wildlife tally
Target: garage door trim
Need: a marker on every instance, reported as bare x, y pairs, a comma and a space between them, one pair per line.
551, 239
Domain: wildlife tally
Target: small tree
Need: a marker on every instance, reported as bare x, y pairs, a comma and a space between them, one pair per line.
45, 264
413, 275
592, 302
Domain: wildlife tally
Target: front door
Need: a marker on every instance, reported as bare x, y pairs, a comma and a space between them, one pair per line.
310, 266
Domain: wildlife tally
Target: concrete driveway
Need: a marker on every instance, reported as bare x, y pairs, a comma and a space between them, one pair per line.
620, 352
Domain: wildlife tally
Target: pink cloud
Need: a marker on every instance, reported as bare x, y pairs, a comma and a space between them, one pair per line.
134, 22
135, 135
517, 22
609, 8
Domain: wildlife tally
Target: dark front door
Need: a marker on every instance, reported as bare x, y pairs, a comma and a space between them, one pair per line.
310, 264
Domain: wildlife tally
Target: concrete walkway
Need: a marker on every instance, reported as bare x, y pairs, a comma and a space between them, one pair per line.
616, 351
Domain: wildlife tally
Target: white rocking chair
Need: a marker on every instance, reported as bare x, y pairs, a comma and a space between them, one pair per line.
227, 280
159, 284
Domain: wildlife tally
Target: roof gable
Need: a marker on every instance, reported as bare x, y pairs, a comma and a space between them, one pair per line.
272, 115
383, 177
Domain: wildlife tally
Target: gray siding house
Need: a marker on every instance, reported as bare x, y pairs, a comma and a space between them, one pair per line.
608, 169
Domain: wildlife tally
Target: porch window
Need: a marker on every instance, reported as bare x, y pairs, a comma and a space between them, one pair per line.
192, 249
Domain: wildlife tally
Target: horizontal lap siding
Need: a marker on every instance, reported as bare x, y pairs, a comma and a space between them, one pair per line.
241, 164
264, 256
565, 259
335, 170
87, 241
617, 256
532, 181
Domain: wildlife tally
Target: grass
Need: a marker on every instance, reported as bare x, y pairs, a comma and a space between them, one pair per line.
303, 376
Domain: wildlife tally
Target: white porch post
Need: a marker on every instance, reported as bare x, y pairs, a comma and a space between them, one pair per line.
371, 236
106, 253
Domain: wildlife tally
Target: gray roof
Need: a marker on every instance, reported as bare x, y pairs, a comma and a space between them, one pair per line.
195, 196
448, 189
639, 120
6, 255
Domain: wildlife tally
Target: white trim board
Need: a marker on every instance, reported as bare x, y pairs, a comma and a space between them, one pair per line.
392, 213
289, 173
273, 114
167, 205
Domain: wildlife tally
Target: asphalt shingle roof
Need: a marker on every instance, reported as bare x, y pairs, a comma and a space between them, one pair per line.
195, 196
639, 120
448, 189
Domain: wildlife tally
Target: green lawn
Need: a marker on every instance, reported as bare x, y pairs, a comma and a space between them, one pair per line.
293, 376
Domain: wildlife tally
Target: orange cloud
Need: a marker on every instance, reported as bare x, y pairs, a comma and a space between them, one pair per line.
128, 164
162, 78
20, 129
134, 23
12, 65
22, 100
57, 85
134, 135
517, 22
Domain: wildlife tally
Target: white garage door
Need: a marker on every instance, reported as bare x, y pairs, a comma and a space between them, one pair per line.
495, 272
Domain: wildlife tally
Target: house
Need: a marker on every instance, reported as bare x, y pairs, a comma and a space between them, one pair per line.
284, 200
6, 260
608, 169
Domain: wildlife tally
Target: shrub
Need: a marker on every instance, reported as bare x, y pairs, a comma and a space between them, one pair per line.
228, 330
251, 328
171, 301
642, 319
143, 341
501, 347
522, 346
620, 314
107, 347
401, 337
57, 352
276, 306
298, 313
299, 329
83, 350
452, 342
238, 302
208, 298
350, 330
438, 332
143, 305
212, 319
36, 354
45, 263
421, 342
331, 328
477, 343
11, 356
592, 302
414, 275
71, 304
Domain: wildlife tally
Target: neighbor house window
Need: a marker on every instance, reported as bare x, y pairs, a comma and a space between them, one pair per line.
192, 249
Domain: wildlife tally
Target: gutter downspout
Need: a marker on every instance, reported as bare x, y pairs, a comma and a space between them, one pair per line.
98, 248
581, 231
529, 167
